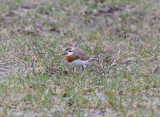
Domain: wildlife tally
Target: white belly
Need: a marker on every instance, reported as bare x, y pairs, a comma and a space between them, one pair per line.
78, 63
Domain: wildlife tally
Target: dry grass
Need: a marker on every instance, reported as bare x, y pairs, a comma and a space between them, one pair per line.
123, 35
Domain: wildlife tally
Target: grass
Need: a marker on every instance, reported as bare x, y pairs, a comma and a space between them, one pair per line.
123, 35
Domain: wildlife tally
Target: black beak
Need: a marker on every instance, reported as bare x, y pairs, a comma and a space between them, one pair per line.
64, 54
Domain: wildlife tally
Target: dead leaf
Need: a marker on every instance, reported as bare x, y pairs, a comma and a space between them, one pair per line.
11, 14
157, 70
130, 59
110, 9
150, 59
54, 29
145, 71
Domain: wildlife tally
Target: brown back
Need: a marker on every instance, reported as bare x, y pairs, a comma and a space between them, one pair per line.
80, 54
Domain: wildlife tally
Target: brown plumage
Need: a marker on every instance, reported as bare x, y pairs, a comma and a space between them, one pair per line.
77, 54
80, 54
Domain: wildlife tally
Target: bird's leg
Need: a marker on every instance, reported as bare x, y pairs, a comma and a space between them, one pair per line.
84, 67
73, 69
76, 70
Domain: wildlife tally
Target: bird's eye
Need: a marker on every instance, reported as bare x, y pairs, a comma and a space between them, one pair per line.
69, 51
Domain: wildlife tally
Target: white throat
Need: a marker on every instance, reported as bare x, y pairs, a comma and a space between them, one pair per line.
69, 53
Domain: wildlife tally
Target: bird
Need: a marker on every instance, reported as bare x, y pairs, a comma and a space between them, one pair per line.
77, 57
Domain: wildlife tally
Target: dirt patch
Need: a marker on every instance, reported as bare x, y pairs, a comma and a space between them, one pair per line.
10, 67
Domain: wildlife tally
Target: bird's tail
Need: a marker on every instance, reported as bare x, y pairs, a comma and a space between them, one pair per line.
92, 60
